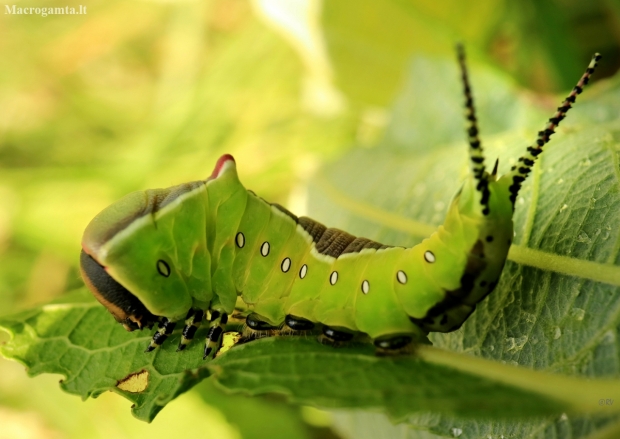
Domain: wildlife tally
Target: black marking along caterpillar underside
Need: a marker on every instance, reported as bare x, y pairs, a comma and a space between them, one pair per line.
190, 251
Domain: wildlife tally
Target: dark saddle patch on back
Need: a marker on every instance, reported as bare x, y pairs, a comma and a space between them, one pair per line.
314, 228
359, 244
335, 242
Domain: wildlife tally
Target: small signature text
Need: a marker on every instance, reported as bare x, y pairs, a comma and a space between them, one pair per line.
44, 12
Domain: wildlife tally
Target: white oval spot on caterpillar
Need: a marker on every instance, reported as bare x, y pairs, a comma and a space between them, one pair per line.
401, 277
303, 271
365, 287
429, 256
264, 249
163, 268
286, 265
333, 278
240, 240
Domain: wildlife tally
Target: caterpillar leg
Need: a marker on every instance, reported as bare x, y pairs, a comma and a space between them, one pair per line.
335, 337
258, 323
192, 323
393, 344
214, 337
298, 323
164, 329
257, 326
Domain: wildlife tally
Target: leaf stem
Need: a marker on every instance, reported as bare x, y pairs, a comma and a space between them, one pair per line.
582, 395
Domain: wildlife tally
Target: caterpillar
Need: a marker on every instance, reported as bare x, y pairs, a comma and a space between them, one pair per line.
188, 252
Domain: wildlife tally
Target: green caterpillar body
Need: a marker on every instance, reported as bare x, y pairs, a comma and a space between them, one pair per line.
154, 255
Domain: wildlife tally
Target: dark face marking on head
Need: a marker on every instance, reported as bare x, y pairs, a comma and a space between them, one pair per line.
124, 306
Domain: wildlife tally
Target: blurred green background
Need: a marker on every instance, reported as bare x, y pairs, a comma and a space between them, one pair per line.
140, 94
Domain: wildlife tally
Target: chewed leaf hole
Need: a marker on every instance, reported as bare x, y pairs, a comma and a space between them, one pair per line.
135, 382
229, 340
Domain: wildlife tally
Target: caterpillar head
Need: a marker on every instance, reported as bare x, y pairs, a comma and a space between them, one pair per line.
145, 256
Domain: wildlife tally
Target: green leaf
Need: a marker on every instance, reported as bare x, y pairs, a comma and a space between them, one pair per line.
557, 306
555, 309
538, 43
77, 337
429, 380
370, 43
276, 418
